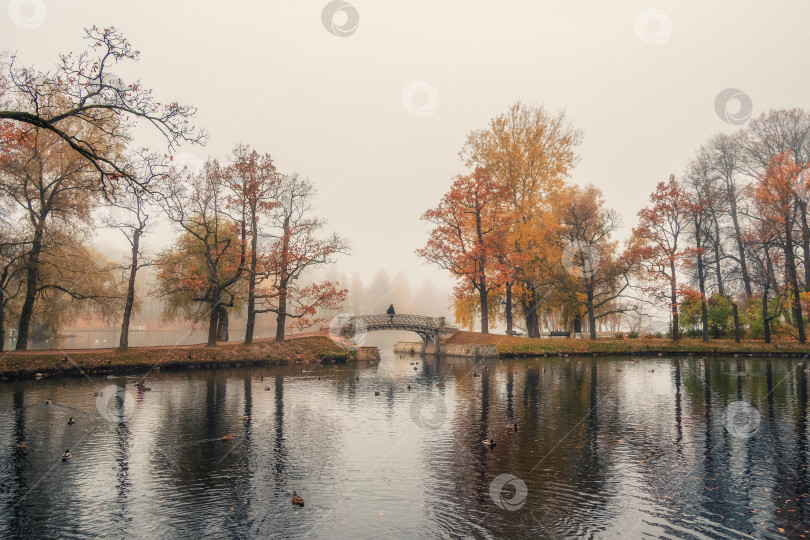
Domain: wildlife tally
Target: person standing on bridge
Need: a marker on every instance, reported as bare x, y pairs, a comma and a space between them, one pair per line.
391, 313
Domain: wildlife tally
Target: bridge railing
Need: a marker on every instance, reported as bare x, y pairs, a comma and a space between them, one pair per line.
402, 320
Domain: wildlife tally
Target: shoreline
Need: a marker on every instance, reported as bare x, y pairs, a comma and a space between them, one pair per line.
317, 347
475, 344
80, 362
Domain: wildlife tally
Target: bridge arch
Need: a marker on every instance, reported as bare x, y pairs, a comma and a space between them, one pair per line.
429, 329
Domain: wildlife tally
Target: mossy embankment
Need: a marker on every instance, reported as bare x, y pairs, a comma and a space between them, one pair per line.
18, 364
511, 346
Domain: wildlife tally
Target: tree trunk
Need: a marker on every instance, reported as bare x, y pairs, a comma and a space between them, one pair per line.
530, 313
704, 315
213, 318
793, 282
805, 244
251, 306
740, 249
31, 277
509, 308
123, 342
591, 312
2, 322
482, 282
482, 298
736, 322
281, 318
222, 323
766, 322
674, 301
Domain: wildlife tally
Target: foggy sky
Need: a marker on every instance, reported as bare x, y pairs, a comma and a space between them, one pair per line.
641, 84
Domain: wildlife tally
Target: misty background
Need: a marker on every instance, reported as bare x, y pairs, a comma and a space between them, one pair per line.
376, 118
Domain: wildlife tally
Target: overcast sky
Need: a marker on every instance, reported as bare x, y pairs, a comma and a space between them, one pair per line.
374, 103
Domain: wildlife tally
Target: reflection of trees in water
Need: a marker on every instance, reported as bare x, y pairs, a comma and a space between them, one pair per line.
123, 484
17, 486
591, 447
744, 479
556, 450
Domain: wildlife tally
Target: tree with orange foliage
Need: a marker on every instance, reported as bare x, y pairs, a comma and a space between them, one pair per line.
775, 200
529, 152
469, 234
657, 243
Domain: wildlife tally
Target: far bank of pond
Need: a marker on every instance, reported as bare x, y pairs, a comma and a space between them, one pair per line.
477, 344
319, 348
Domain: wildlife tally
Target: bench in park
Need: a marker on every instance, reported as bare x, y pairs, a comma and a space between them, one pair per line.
559, 333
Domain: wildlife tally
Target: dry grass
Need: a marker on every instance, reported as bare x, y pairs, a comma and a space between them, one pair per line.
75, 362
522, 346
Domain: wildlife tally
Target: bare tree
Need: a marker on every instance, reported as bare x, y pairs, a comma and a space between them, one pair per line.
701, 195
12, 256
130, 213
85, 105
603, 276
296, 249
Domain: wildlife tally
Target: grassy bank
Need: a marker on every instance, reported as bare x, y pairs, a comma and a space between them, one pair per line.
511, 346
78, 362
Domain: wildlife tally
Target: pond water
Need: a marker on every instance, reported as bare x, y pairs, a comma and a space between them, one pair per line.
604, 448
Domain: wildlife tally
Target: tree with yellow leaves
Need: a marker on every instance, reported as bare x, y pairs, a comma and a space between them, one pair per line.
529, 153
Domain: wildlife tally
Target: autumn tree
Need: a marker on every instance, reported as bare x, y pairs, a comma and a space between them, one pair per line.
469, 233
55, 189
93, 112
529, 152
658, 244
775, 198
600, 276
294, 251
255, 187
205, 266
784, 132
764, 238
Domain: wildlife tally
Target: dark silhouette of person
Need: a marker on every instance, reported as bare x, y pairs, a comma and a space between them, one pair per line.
391, 313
